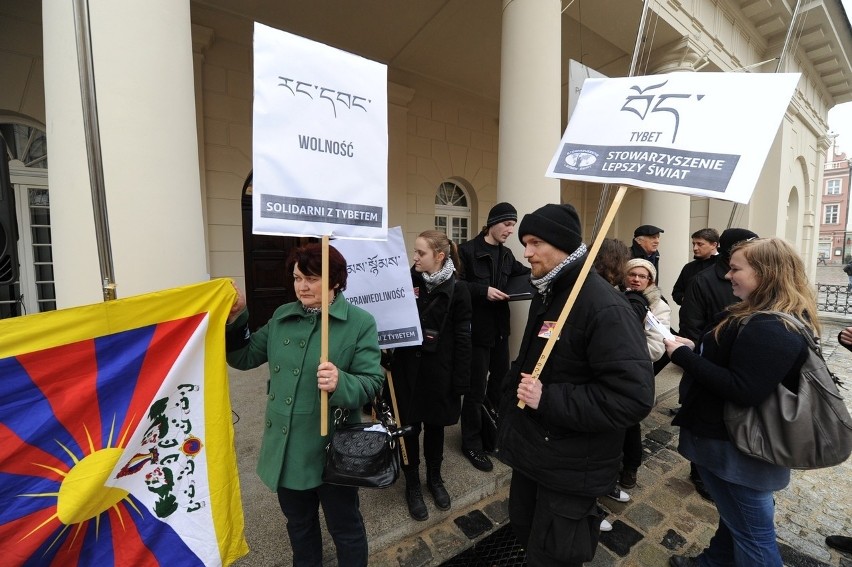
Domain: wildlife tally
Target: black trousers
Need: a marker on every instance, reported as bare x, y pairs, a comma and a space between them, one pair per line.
488, 369
343, 519
555, 528
632, 447
433, 445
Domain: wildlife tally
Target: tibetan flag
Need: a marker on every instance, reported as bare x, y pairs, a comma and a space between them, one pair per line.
116, 438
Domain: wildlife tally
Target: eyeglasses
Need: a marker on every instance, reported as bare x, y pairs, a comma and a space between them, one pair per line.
637, 276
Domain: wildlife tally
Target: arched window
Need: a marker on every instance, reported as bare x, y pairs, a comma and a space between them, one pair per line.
452, 212
34, 291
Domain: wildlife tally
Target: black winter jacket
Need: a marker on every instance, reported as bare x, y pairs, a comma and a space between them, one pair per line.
706, 296
597, 382
429, 382
688, 272
490, 320
744, 366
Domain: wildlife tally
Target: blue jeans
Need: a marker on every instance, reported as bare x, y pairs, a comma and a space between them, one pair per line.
746, 533
342, 517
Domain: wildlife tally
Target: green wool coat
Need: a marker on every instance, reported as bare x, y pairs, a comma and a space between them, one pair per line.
292, 452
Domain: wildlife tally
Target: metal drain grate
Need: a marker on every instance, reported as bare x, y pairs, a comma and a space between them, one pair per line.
500, 549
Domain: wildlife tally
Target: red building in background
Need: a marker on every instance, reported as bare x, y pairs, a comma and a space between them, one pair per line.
835, 234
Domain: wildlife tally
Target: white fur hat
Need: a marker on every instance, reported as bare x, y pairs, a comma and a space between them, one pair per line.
644, 264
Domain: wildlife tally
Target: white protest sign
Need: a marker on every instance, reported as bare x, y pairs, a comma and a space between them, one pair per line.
379, 281
320, 139
704, 134
577, 74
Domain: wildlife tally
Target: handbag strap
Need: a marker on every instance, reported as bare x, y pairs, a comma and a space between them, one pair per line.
803, 329
383, 414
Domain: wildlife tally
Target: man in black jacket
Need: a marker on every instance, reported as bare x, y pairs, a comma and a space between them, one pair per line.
487, 266
705, 248
564, 446
709, 292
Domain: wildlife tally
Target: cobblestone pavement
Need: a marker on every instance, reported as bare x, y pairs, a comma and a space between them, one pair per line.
665, 515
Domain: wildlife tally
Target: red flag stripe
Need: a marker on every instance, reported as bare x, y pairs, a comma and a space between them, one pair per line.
68, 370
18, 457
167, 343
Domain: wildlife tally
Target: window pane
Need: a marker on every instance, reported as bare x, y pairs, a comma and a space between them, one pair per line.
39, 202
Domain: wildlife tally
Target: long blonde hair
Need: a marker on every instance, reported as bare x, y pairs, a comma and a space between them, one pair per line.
782, 284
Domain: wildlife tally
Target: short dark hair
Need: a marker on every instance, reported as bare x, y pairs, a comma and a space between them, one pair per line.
708, 234
309, 259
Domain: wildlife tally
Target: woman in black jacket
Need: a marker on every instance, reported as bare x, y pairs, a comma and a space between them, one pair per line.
430, 379
743, 364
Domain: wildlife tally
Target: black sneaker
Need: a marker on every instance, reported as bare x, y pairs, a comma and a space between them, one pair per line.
840, 543
478, 459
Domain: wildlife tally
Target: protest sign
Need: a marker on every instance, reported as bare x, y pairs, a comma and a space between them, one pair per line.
704, 134
379, 281
320, 139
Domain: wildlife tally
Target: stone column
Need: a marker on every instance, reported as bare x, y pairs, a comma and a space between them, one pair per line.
530, 116
142, 59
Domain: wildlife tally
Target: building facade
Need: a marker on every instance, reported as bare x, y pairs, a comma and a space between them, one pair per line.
835, 234
477, 99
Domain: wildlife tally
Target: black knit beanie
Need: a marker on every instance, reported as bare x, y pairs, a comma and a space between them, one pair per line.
501, 212
558, 225
732, 236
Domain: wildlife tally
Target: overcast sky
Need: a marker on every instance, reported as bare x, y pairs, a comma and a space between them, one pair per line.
840, 117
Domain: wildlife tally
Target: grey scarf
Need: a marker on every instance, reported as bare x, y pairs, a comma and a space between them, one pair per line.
543, 283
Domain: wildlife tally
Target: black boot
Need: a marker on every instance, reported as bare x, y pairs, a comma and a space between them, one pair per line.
414, 496
435, 484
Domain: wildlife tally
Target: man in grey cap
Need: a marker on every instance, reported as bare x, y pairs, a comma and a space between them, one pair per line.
564, 446
646, 240
487, 266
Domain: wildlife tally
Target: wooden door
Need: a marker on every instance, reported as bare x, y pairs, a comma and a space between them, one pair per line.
267, 286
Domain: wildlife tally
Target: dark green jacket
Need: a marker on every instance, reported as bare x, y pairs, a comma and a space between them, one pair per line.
292, 452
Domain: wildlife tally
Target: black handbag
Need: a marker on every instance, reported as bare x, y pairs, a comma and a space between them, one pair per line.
807, 429
363, 454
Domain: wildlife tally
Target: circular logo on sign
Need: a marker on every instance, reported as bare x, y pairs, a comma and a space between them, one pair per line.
580, 159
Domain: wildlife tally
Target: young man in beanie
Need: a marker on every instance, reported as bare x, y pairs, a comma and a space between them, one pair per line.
709, 292
564, 446
487, 266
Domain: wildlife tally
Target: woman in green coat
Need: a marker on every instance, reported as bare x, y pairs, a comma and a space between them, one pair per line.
292, 453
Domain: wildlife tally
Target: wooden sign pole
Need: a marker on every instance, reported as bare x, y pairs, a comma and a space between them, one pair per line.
575, 291
398, 417
324, 335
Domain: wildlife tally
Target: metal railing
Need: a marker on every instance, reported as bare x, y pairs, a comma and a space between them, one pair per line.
834, 298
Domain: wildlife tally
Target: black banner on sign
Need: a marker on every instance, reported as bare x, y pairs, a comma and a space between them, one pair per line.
315, 210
